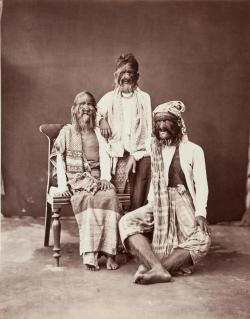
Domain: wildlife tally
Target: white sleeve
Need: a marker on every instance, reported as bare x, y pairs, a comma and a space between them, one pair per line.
200, 181
148, 114
139, 155
102, 107
61, 173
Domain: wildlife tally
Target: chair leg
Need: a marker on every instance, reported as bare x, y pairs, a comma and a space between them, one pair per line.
56, 226
47, 224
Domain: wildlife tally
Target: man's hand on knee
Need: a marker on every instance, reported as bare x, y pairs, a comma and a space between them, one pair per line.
105, 185
202, 222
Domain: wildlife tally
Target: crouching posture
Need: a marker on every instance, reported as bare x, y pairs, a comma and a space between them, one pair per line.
176, 209
83, 171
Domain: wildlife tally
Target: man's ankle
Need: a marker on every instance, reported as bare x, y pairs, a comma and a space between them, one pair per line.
158, 267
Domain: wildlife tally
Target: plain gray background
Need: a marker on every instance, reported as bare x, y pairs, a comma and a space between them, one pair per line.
195, 51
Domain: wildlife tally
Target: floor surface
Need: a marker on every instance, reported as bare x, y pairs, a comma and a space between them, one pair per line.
32, 287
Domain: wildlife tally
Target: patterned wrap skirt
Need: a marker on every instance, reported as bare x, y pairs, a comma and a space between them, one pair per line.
185, 233
97, 218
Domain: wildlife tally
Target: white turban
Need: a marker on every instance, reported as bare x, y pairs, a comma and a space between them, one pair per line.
173, 107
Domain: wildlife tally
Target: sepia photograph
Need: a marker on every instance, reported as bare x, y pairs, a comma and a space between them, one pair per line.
125, 159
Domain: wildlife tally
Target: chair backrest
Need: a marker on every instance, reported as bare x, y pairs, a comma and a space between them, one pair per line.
51, 131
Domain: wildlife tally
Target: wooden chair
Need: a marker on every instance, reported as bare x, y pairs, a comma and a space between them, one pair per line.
55, 203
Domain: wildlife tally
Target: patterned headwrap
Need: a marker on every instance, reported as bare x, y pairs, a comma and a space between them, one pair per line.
175, 108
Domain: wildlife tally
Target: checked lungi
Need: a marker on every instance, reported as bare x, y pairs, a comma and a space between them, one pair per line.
97, 218
184, 232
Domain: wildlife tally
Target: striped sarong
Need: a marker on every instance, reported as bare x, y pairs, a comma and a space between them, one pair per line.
183, 231
97, 218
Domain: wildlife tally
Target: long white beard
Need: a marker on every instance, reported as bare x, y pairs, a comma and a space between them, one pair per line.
86, 122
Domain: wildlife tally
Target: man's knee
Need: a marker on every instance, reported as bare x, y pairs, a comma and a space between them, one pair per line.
123, 222
203, 249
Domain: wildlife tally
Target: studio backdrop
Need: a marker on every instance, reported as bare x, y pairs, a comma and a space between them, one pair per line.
194, 51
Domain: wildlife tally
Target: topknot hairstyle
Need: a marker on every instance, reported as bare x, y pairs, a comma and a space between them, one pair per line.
127, 58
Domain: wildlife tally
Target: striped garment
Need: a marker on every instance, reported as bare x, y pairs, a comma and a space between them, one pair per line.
172, 216
182, 232
97, 218
164, 230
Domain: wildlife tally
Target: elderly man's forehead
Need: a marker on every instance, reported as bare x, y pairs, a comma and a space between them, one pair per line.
164, 116
126, 67
84, 98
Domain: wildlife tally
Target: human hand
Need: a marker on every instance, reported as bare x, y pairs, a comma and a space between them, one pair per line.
105, 185
65, 193
202, 222
131, 164
105, 128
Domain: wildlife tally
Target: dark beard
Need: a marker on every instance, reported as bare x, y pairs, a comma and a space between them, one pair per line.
163, 141
171, 141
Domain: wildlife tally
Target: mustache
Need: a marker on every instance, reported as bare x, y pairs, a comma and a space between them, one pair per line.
165, 130
126, 81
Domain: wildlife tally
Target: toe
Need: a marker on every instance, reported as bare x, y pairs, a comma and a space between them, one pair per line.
138, 278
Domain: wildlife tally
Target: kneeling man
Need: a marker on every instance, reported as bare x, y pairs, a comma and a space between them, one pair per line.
176, 209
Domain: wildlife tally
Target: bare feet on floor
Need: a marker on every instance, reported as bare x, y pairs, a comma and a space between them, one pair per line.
90, 261
141, 270
92, 267
155, 275
111, 264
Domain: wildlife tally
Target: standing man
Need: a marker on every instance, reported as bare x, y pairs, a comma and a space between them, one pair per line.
83, 171
124, 117
176, 209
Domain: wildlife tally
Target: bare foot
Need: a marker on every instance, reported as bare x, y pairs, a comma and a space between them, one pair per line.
90, 261
91, 267
153, 276
141, 270
183, 271
111, 264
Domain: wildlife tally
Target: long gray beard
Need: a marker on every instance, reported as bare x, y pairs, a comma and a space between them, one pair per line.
86, 123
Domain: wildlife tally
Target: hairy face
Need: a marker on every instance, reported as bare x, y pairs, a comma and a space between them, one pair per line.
126, 78
84, 112
166, 128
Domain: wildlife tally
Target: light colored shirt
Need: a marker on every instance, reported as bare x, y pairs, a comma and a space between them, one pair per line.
193, 165
128, 107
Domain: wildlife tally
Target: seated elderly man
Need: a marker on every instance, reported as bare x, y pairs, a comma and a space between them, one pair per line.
176, 209
83, 170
